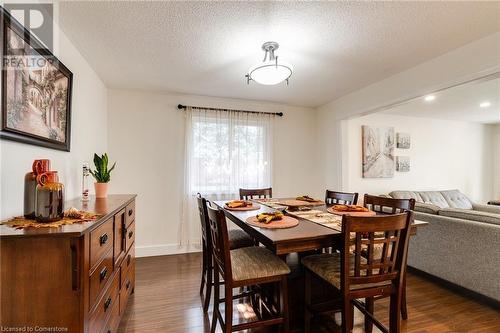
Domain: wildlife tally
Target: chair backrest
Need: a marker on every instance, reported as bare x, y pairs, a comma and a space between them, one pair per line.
333, 197
258, 193
385, 205
363, 233
220, 242
205, 227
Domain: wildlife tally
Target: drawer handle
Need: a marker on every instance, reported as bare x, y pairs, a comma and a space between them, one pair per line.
130, 211
103, 273
103, 239
130, 234
128, 259
107, 304
127, 285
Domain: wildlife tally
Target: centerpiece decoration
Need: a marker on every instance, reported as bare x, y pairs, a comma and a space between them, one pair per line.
102, 175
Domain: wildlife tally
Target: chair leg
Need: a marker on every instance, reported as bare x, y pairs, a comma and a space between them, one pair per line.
347, 316
228, 296
369, 304
404, 309
210, 274
394, 310
215, 318
285, 328
203, 267
307, 301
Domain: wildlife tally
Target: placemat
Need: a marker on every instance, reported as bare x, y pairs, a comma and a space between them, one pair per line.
368, 213
20, 222
285, 222
254, 206
299, 203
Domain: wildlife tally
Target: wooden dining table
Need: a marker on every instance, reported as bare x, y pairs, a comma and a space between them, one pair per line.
306, 237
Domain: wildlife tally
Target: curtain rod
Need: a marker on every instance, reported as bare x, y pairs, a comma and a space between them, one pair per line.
180, 106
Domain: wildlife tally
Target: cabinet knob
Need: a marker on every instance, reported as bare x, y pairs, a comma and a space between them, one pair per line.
128, 259
130, 211
107, 303
103, 239
130, 234
127, 285
103, 273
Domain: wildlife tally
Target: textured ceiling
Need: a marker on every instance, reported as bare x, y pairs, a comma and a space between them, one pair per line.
459, 103
205, 48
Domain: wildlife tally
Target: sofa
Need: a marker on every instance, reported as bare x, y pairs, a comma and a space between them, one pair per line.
461, 243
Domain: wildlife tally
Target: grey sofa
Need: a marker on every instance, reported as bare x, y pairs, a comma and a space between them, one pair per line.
461, 244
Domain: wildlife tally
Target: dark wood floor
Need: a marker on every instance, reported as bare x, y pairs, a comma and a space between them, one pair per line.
166, 300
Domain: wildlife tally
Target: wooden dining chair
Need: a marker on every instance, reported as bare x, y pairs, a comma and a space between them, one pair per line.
245, 267
355, 277
258, 193
334, 197
237, 239
384, 205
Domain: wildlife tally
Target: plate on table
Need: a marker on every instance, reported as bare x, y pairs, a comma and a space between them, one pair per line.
365, 214
250, 206
299, 203
285, 222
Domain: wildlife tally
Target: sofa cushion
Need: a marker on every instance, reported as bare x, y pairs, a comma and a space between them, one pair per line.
472, 215
426, 208
456, 199
486, 208
406, 195
435, 198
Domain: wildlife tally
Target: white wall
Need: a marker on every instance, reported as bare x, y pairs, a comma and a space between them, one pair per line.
496, 163
444, 155
88, 135
146, 138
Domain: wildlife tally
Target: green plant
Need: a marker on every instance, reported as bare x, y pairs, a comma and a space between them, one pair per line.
101, 172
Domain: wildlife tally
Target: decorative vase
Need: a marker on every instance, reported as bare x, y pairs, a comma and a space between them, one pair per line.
101, 190
39, 167
49, 205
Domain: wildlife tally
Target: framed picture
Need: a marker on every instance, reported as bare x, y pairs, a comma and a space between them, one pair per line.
403, 141
402, 163
36, 90
378, 152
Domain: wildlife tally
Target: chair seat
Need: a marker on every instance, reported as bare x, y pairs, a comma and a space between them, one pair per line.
238, 239
327, 267
255, 263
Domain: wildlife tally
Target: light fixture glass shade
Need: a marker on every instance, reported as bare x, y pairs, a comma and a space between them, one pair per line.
270, 72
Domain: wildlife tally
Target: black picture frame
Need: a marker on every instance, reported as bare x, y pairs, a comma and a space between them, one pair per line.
31, 41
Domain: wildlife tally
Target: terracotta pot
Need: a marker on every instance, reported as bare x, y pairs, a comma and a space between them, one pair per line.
101, 190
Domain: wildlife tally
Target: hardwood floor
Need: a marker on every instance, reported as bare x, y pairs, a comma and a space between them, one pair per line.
166, 300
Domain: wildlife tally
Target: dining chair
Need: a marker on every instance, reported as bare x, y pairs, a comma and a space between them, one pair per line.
237, 239
245, 267
334, 197
384, 205
258, 193
355, 277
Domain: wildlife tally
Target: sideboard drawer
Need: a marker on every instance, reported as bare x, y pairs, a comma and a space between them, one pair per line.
130, 213
101, 240
114, 319
127, 288
129, 236
128, 262
100, 276
106, 307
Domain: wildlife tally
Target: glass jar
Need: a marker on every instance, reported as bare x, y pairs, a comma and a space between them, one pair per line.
49, 205
39, 166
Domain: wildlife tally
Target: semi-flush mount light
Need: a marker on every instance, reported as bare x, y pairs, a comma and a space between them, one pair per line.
485, 104
270, 71
429, 98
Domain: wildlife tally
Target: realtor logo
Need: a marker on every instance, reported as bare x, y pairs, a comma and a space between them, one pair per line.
36, 17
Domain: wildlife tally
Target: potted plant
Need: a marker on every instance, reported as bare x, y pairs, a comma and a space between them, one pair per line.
101, 175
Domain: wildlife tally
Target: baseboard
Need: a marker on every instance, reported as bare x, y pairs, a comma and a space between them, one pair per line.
456, 288
165, 249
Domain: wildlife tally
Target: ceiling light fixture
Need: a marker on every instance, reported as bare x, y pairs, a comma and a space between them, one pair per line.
485, 104
270, 71
429, 98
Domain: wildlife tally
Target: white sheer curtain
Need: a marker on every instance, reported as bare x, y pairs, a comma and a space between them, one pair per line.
225, 151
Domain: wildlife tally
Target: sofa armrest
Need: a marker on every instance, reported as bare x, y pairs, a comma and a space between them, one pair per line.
486, 208
426, 208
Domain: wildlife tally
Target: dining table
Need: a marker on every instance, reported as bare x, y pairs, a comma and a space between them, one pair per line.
317, 229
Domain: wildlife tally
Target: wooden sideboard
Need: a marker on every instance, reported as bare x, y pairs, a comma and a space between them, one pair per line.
76, 278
